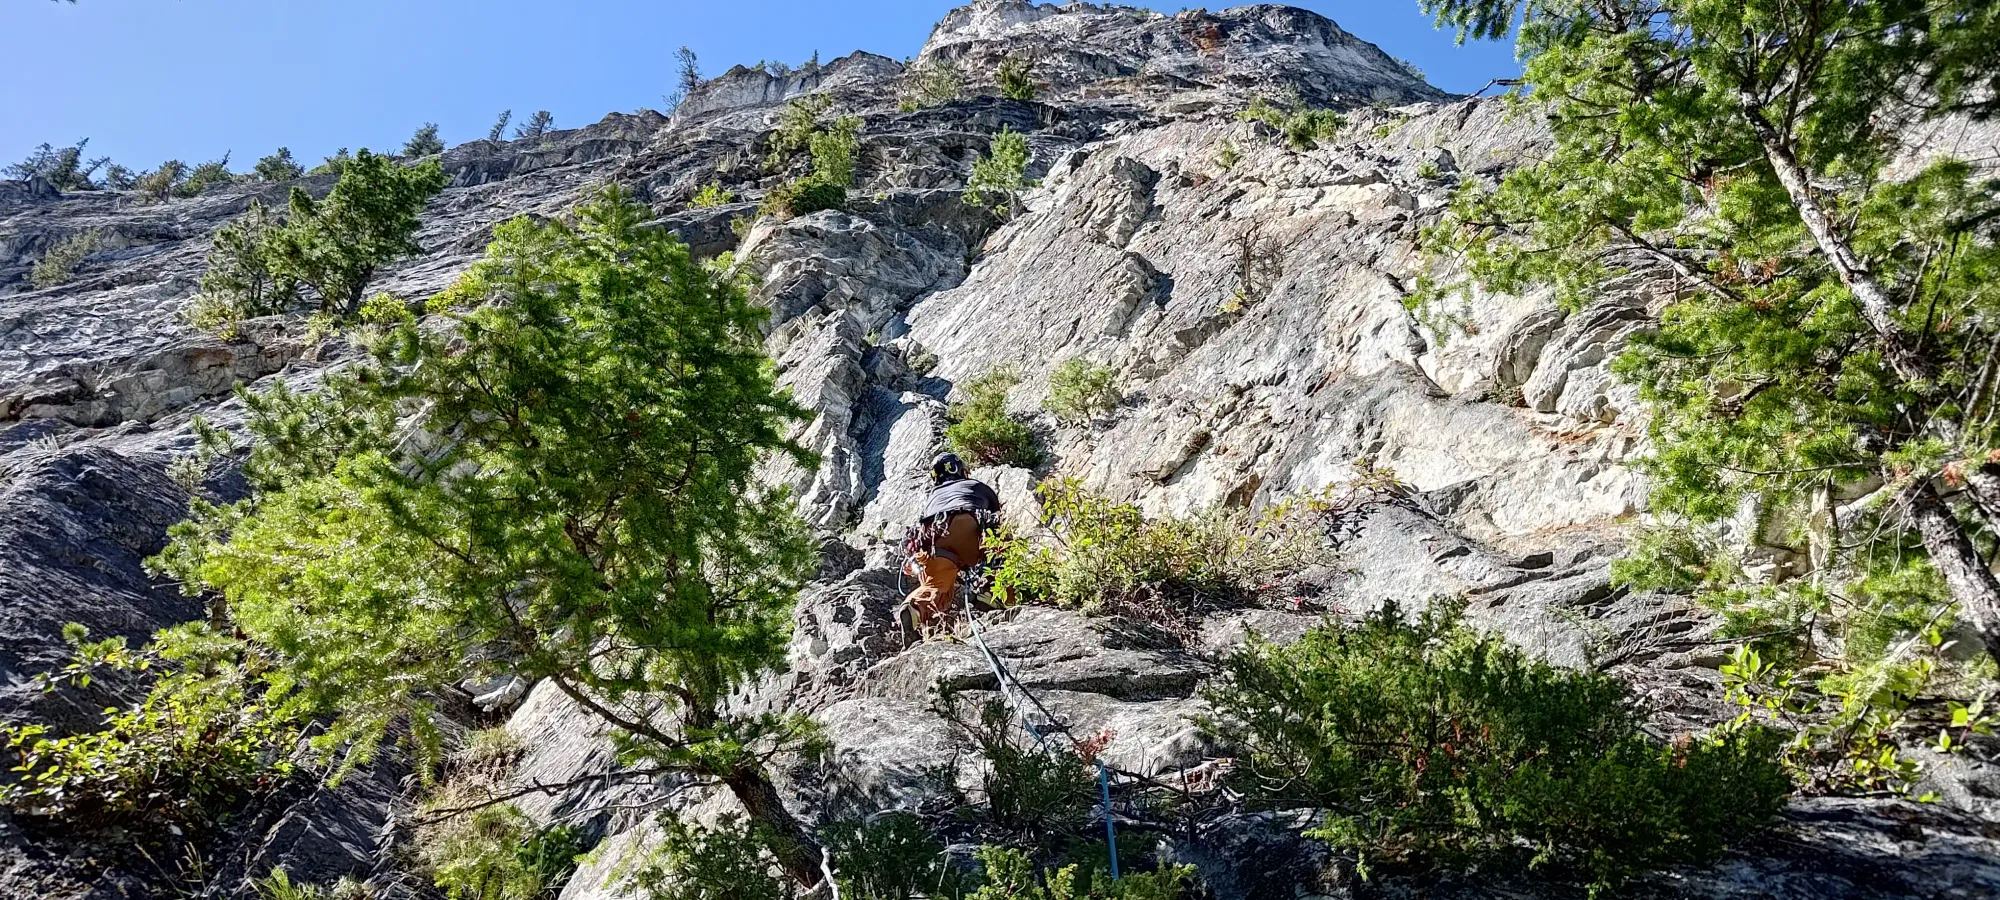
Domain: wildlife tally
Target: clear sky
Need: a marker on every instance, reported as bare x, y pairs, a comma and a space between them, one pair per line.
149, 80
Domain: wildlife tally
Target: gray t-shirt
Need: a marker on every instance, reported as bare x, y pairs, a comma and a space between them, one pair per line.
961, 494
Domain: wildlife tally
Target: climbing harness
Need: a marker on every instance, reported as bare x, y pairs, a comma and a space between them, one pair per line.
1016, 695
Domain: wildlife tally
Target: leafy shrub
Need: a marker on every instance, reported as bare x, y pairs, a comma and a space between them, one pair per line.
694, 863
893, 857
492, 852
1080, 390
334, 164
209, 736
241, 280
161, 183
60, 262
802, 197
983, 431
278, 166
1302, 126
1016, 78
425, 142
712, 194
204, 176
1426, 739
334, 245
1227, 156
797, 124
1010, 875
832, 148
1031, 788
999, 177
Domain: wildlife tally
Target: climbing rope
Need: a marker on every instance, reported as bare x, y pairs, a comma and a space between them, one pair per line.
1013, 692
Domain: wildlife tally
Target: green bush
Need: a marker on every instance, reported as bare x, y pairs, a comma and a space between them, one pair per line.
832, 148
209, 736
712, 194
425, 142
1031, 788
334, 164
727, 862
1080, 390
204, 176
933, 83
893, 857
241, 280
59, 264
797, 124
492, 852
1016, 78
999, 177
983, 431
1424, 739
162, 183
1302, 126
64, 167
278, 166
1009, 874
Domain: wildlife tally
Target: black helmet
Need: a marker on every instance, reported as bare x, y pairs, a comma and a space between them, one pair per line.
947, 467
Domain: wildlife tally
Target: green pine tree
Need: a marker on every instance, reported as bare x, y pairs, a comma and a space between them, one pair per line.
1826, 352
425, 142
334, 245
278, 166
592, 521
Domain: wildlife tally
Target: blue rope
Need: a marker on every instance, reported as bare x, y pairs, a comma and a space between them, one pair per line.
1006, 678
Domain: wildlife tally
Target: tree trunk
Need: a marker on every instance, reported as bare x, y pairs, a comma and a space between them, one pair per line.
1876, 308
1983, 483
797, 852
1971, 583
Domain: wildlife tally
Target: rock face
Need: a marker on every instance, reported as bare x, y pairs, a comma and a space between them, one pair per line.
1249, 297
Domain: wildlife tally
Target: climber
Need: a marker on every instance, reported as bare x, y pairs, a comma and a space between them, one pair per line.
947, 539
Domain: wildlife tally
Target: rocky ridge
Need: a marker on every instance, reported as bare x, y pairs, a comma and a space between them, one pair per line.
1254, 312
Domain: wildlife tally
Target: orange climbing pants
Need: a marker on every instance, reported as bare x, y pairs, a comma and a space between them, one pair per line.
957, 547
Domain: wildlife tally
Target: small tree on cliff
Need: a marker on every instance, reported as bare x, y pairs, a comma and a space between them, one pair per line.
369, 218
1826, 351
573, 502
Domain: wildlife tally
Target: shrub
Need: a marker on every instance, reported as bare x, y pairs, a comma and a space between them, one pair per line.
983, 431
801, 197
693, 863
162, 183
833, 152
1425, 739
797, 123
492, 852
210, 735
712, 194
1016, 78
999, 177
536, 127
1302, 126
832, 148
58, 264
334, 164
334, 245
240, 282
893, 857
202, 177
1010, 875
1227, 156
119, 178
425, 142
278, 166
1080, 390
1031, 788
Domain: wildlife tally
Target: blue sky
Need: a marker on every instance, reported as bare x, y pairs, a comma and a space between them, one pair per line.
148, 80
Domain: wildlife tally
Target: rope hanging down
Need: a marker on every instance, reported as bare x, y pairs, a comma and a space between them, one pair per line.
1013, 693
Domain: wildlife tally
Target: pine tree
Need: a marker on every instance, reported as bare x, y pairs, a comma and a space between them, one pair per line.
239, 281
64, 167
334, 245
593, 522
1826, 353
425, 142
690, 71
534, 128
499, 130
277, 167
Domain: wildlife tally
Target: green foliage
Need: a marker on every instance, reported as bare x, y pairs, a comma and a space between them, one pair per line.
498, 132
162, 183
1227, 156
932, 83
832, 147
1092, 550
241, 281
1016, 78
797, 123
277, 167
893, 857
213, 732
385, 309
425, 142
593, 522
983, 431
726, 862
712, 194
59, 264
1031, 788
1302, 126
1080, 390
999, 177
333, 246
833, 152
1425, 739
204, 176
333, 164
496, 853
1010, 875
64, 167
